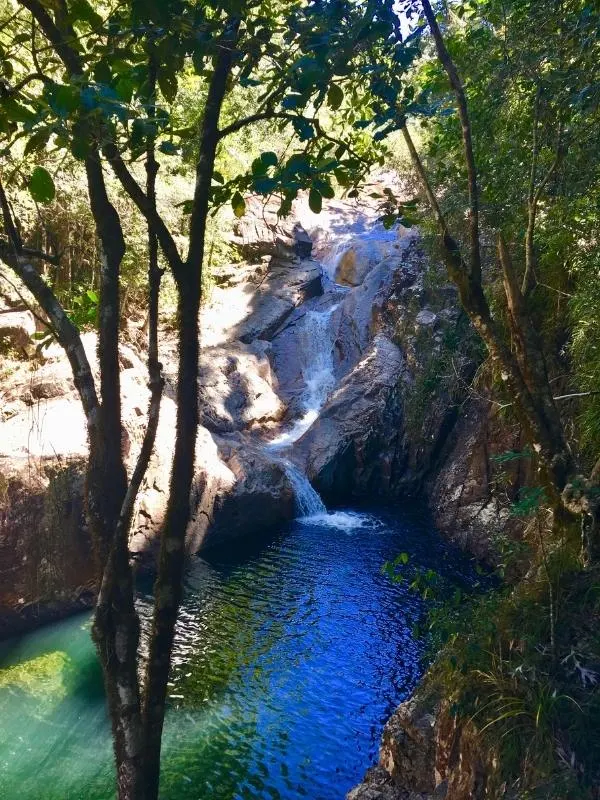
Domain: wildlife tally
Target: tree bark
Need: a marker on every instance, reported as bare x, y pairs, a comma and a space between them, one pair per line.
463, 113
168, 586
108, 469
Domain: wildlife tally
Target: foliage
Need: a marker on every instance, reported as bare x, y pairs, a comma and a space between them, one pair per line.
533, 707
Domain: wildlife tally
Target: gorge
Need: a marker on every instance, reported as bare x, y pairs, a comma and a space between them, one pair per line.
291, 643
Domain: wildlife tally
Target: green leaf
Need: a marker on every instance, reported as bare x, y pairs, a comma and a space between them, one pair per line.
41, 185
258, 167
315, 201
80, 147
38, 141
326, 189
124, 88
168, 148
218, 177
335, 96
16, 112
168, 85
269, 159
63, 98
102, 72
264, 185
92, 296
82, 10
238, 204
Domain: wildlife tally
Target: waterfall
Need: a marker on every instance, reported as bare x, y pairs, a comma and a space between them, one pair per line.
308, 502
316, 342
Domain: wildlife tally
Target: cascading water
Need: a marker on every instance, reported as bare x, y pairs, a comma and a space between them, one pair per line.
316, 341
308, 502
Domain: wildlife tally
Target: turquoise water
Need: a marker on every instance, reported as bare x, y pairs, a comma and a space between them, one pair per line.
289, 657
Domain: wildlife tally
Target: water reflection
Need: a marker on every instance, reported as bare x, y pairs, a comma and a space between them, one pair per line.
289, 656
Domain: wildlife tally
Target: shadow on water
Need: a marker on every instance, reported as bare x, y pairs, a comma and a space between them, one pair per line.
290, 653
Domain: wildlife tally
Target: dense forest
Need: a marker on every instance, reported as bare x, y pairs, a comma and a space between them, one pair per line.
136, 135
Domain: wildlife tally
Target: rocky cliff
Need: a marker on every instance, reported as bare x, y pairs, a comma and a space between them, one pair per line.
426, 755
336, 344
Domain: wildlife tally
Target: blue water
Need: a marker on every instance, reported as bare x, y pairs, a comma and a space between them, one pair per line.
289, 657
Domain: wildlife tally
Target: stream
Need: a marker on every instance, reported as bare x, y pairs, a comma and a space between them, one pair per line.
289, 656
291, 650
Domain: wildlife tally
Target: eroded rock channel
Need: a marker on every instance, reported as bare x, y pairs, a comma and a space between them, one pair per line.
317, 393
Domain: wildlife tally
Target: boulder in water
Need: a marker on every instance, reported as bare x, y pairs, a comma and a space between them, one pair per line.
261, 498
355, 443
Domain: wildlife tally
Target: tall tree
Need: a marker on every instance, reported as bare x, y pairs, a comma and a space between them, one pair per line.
496, 184
100, 84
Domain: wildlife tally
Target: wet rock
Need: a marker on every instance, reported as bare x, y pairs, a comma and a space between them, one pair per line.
362, 311
353, 442
293, 350
354, 263
260, 499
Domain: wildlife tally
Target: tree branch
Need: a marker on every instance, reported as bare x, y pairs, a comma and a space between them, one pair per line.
68, 54
146, 207
532, 206
461, 100
66, 333
234, 127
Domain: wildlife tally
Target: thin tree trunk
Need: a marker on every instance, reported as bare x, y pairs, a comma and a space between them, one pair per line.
542, 435
111, 474
168, 586
463, 113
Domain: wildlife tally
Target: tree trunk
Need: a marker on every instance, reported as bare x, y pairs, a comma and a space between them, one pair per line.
524, 374
168, 587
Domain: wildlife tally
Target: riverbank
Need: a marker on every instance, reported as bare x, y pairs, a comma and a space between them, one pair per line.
325, 356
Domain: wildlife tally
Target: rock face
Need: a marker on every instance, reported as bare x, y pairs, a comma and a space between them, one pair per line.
425, 755
354, 441
16, 329
46, 563
261, 497
472, 469
260, 231
237, 388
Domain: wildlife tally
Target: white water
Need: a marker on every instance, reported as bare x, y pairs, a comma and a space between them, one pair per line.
373, 242
344, 520
316, 342
308, 502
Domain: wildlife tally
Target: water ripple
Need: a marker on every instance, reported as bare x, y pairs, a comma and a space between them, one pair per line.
288, 659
